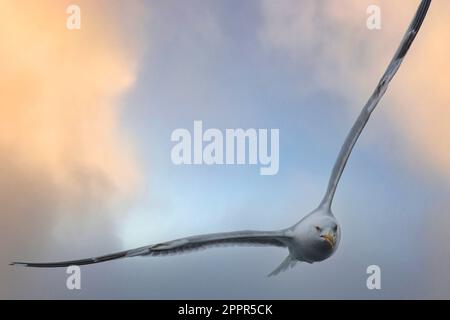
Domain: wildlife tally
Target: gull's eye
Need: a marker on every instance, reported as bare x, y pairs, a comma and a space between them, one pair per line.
318, 228
335, 228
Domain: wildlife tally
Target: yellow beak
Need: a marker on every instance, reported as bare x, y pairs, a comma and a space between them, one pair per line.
329, 238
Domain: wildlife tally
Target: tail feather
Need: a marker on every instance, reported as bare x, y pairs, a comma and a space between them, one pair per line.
287, 263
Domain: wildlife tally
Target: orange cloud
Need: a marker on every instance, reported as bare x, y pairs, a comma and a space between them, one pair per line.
60, 91
63, 154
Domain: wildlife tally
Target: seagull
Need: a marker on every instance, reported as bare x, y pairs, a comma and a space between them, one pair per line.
317, 235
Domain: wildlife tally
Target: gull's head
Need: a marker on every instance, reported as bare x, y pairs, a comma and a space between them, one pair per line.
327, 234
324, 233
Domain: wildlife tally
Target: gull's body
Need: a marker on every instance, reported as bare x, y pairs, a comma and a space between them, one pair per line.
315, 237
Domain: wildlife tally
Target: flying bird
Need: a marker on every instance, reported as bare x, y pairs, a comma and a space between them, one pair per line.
316, 236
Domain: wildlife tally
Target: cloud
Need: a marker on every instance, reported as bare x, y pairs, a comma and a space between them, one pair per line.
63, 153
345, 57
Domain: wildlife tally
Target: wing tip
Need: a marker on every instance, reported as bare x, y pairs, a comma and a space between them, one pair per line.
20, 264
420, 15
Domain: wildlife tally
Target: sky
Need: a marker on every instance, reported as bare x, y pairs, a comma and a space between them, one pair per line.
85, 125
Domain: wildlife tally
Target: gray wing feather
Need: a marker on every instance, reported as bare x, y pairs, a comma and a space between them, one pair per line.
183, 245
376, 96
373, 102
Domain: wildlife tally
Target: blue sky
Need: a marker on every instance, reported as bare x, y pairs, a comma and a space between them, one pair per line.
224, 63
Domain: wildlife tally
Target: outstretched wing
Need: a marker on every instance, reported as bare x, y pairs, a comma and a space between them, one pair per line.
373, 101
183, 245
